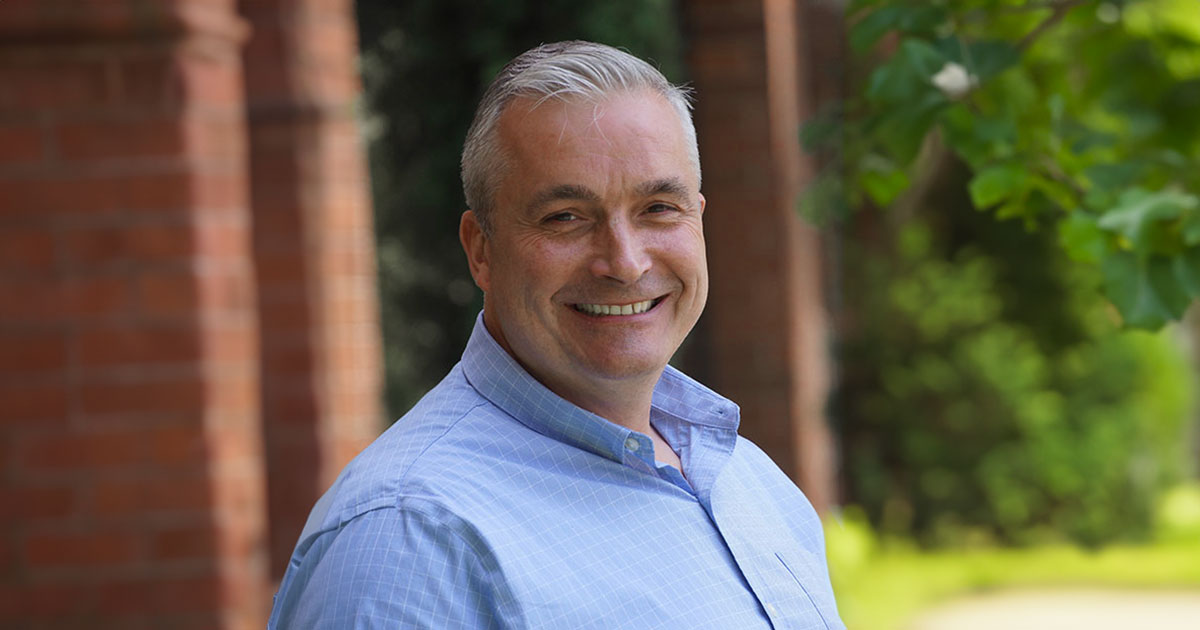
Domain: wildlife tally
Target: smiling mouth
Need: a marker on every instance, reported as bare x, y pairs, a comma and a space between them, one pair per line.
611, 310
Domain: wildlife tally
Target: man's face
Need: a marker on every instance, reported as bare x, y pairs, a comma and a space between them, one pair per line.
595, 270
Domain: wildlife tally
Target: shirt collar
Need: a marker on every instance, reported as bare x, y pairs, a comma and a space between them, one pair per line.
500, 379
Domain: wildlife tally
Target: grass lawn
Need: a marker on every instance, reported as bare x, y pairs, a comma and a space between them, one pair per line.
882, 587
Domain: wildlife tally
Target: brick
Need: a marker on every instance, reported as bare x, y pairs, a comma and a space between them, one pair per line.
116, 346
234, 392
31, 300
123, 596
222, 237
110, 140
200, 594
41, 196
66, 452
97, 296
210, 82
132, 243
178, 446
227, 291
154, 495
21, 145
219, 190
27, 250
183, 543
216, 136
167, 293
34, 502
38, 196
52, 603
57, 85
230, 345
110, 549
142, 396
32, 353
149, 81
37, 404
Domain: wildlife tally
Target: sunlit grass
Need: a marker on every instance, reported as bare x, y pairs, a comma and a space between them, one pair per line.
883, 586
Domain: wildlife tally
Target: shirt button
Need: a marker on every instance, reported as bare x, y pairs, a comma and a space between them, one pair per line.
632, 444
771, 609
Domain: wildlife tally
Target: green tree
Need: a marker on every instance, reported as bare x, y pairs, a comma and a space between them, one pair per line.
1072, 115
987, 392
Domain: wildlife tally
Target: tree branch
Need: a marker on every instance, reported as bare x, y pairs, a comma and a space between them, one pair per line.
1060, 10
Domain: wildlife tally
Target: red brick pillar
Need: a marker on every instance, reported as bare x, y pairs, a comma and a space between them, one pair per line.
766, 323
131, 481
314, 251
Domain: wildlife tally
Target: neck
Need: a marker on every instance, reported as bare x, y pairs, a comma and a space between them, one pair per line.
623, 401
625, 404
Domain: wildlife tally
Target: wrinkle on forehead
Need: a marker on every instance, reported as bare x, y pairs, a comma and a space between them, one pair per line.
598, 112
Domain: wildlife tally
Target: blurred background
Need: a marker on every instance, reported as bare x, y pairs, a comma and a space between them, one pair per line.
953, 249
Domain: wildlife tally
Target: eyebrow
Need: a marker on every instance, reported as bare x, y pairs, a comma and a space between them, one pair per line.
672, 186
561, 192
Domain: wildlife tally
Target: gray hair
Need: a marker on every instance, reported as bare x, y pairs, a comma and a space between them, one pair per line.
563, 70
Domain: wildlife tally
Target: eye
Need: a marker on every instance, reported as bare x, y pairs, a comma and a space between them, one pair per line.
661, 208
561, 217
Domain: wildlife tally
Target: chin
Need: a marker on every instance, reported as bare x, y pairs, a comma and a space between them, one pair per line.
616, 368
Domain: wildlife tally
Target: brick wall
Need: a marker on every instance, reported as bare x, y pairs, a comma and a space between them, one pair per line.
314, 253
132, 471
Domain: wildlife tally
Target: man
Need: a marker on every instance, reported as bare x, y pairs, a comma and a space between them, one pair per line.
562, 475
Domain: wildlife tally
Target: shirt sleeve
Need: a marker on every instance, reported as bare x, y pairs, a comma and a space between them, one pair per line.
414, 566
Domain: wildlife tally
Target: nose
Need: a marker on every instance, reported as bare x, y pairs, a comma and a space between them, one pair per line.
621, 254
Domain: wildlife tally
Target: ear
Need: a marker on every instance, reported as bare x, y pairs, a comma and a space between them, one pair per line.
474, 244
703, 202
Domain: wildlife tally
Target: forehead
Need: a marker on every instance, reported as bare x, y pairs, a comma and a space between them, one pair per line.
627, 134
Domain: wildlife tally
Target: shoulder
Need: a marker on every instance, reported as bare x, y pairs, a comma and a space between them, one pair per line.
392, 526
412, 565
441, 444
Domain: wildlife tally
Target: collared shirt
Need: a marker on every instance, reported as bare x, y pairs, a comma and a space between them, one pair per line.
495, 503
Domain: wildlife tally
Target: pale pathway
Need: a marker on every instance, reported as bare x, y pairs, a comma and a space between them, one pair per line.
1090, 609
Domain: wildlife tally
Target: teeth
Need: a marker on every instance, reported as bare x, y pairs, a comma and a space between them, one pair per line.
615, 309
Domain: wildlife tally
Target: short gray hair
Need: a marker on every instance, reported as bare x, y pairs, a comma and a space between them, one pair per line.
563, 70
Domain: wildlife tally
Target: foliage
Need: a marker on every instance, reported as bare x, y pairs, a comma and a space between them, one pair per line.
988, 395
882, 583
1073, 115
425, 63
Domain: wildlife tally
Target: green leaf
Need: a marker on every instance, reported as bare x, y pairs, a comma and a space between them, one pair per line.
883, 186
904, 127
918, 20
1128, 285
1190, 231
979, 139
875, 25
856, 5
1081, 238
1057, 192
1114, 176
907, 74
1187, 270
1161, 275
997, 183
1140, 214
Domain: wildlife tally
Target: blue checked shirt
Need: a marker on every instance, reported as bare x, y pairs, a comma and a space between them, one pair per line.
495, 503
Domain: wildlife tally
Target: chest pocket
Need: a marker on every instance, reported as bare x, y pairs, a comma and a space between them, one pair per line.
809, 592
